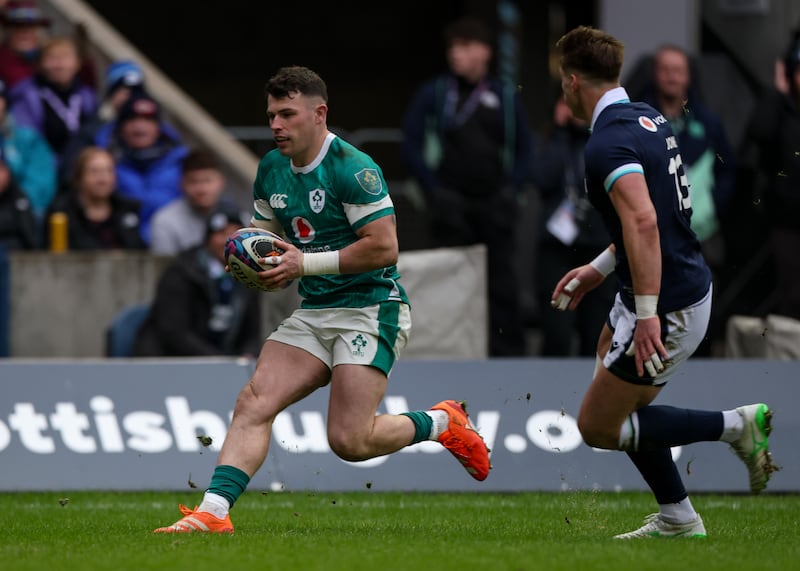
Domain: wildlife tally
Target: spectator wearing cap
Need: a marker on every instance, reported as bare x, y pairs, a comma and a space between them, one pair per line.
123, 79
25, 29
148, 153
198, 309
182, 223
18, 227
54, 101
98, 217
29, 157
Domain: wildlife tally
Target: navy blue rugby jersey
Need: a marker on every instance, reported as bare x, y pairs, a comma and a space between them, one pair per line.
633, 137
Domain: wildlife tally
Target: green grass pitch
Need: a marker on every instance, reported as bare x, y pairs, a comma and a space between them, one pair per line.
383, 531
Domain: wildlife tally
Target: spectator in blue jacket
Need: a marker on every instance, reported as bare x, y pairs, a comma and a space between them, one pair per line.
123, 79
149, 156
467, 143
29, 158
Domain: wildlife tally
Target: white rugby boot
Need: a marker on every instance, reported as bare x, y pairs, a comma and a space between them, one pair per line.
752, 447
655, 527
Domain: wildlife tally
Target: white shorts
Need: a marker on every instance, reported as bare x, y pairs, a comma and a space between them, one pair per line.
682, 331
372, 335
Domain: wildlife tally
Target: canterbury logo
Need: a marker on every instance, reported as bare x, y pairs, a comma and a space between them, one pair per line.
278, 200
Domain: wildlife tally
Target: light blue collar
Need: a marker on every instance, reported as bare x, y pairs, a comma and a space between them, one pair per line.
610, 97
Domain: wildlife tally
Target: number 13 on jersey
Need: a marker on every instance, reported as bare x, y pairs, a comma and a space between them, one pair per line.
681, 181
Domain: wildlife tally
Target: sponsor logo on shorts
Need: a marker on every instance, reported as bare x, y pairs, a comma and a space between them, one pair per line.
358, 344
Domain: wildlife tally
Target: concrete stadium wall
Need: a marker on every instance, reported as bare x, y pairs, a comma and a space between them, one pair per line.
62, 304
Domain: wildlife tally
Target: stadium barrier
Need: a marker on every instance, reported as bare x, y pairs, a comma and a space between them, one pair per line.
139, 424
63, 304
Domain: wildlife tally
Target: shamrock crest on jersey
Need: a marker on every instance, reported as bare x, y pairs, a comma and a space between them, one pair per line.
316, 199
369, 180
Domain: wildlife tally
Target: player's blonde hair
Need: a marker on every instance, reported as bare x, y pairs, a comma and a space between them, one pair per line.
593, 53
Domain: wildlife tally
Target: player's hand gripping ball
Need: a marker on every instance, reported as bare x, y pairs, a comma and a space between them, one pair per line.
243, 250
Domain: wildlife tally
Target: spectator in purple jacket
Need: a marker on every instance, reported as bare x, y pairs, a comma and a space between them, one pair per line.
54, 101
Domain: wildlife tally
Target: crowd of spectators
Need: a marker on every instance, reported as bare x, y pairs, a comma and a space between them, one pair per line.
94, 144
91, 147
742, 196
101, 152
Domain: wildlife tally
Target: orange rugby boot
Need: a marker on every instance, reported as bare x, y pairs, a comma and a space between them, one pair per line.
463, 441
195, 521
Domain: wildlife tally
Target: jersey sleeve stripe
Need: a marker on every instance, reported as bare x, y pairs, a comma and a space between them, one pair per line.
262, 210
620, 171
374, 216
357, 212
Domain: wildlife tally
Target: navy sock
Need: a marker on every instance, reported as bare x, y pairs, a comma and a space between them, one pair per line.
667, 426
661, 474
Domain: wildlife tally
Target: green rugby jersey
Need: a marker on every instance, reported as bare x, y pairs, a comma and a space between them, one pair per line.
320, 207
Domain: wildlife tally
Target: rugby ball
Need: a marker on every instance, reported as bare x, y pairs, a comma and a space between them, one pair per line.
244, 248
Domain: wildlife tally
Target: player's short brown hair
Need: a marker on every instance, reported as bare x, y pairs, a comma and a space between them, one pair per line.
592, 53
295, 79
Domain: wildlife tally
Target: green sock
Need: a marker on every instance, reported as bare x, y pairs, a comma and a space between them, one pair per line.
229, 482
422, 424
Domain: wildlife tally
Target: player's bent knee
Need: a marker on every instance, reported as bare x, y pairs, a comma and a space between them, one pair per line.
349, 448
598, 436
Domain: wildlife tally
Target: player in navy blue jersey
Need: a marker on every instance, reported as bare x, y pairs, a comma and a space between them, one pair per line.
635, 179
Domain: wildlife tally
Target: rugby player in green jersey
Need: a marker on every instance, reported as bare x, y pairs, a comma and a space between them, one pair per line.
330, 202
